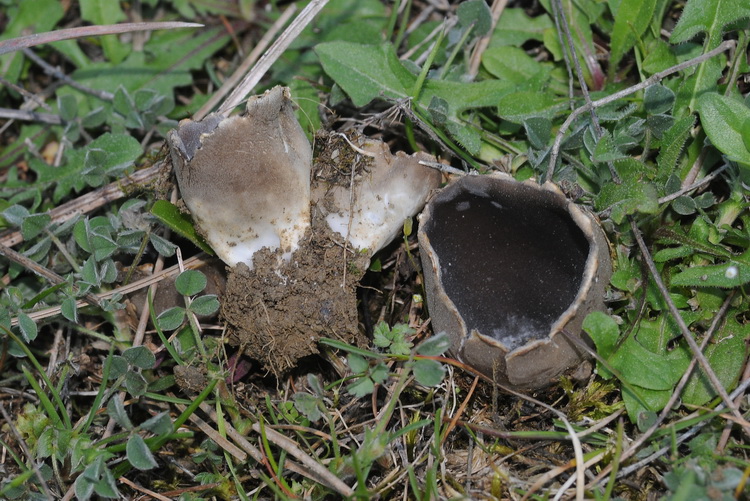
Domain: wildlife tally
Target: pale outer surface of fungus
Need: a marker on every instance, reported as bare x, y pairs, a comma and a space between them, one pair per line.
246, 179
370, 210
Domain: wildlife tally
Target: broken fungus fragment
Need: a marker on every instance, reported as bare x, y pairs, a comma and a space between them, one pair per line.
369, 208
246, 179
508, 266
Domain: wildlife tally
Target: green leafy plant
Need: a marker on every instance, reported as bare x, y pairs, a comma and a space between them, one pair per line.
648, 128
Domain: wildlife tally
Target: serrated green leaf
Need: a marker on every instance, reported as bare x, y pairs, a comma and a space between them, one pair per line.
381, 335
171, 318
641, 367
366, 72
360, 387
379, 373
171, 217
138, 453
673, 143
357, 364
733, 273
723, 119
139, 356
709, 17
606, 150
166, 62
308, 405
632, 195
116, 411
631, 20
190, 282
428, 372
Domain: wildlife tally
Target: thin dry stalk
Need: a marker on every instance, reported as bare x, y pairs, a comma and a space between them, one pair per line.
90, 201
264, 64
498, 6
653, 79
232, 81
15, 44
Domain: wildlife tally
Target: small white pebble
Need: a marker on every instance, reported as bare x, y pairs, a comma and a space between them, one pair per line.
731, 272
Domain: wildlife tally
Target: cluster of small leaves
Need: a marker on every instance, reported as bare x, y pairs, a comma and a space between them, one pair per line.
189, 283
427, 372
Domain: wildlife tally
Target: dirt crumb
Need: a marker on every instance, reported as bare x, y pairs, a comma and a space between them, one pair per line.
277, 312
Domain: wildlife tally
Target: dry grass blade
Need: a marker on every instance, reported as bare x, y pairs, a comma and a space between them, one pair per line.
246, 64
247, 85
90, 201
15, 44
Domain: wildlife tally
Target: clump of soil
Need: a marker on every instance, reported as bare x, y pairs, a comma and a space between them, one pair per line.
277, 312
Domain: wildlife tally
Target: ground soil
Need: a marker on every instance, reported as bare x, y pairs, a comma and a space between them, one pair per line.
277, 312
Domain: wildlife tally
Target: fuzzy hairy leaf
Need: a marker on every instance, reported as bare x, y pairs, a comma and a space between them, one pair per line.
724, 120
726, 354
733, 273
631, 20
138, 453
709, 17
673, 143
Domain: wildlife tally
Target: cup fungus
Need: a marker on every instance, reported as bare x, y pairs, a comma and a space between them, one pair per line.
247, 182
508, 266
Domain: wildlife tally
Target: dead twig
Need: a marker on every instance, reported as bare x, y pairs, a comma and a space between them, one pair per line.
90, 201
272, 54
653, 79
15, 44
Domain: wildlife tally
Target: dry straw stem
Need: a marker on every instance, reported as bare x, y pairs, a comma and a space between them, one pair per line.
653, 79
247, 85
194, 262
246, 64
15, 44
316, 472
